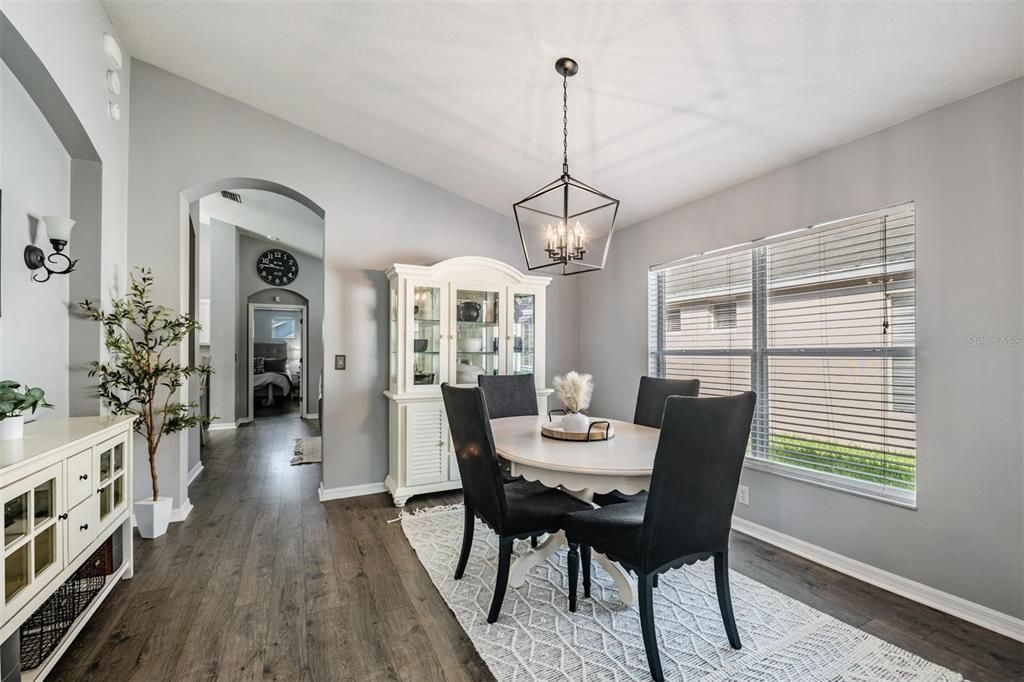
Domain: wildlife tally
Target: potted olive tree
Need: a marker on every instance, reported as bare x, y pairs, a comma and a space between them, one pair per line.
143, 377
14, 402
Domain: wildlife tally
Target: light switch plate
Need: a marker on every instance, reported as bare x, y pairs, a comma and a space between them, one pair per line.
743, 495
339, 362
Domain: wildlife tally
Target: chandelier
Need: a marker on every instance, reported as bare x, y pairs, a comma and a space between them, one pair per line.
566, 224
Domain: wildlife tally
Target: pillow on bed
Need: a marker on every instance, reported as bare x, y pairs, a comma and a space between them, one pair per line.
274, 364
258, 366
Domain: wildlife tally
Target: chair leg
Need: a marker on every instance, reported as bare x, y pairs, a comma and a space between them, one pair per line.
501, 582
585, 553
574, 574
725, 600
645, 587
467, 543
533, 542
654, 582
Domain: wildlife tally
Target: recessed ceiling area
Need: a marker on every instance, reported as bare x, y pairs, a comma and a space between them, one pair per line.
673, 101
268, 216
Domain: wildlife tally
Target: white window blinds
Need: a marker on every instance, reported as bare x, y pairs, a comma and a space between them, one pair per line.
820, 323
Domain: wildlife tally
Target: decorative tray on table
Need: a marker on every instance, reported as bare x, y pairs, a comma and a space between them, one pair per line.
599, 429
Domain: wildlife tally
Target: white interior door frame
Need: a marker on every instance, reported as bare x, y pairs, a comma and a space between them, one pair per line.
304, 387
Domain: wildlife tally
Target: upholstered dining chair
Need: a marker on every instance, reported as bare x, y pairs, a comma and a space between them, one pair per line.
686, 518
514, 510
650, 406
509, 395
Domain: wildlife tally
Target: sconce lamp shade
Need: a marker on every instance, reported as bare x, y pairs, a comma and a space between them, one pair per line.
58, 229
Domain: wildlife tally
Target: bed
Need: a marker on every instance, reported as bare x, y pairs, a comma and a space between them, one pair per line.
270, 378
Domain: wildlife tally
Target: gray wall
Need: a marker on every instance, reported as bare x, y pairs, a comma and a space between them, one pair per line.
309, 284
961, 165
223, 314
184, 135
35, 173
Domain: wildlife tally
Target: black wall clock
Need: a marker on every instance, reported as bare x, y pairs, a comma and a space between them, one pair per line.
277, 267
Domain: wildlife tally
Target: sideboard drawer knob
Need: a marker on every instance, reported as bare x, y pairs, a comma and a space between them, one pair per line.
63, 517
83, 477
84, 526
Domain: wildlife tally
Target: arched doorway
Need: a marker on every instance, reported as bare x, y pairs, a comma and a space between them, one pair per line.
242, 219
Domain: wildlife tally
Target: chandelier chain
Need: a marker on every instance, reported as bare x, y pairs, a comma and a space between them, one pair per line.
565, 124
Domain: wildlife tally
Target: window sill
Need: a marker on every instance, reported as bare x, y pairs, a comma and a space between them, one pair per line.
903, 499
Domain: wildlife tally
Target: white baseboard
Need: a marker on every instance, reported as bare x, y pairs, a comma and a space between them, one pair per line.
182, 512
222, 426
194, 472
350, 491
984, 616
311, 415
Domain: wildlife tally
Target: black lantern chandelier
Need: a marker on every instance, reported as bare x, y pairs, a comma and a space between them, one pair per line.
566, 224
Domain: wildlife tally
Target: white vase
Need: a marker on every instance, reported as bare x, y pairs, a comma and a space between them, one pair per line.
12, 428
153, 517
575, 422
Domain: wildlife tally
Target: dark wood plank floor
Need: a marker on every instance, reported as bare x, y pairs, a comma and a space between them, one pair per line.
264, 582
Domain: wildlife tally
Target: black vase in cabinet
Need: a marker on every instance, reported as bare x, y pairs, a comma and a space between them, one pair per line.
469, 311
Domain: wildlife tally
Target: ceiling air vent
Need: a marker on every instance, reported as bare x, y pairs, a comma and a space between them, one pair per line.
232, 196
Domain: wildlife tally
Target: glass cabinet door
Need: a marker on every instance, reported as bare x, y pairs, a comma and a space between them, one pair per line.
393, 331
112, 479
31, 548
426, 335
478, 343
523, 330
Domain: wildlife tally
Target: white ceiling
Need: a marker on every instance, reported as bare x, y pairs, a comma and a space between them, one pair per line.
673, 100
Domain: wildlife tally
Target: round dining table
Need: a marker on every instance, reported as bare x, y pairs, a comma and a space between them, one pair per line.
623, 462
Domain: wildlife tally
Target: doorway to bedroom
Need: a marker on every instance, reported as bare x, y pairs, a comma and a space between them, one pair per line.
277, 345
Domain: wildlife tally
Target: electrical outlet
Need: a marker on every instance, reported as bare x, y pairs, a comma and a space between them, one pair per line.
339, 362
743, 495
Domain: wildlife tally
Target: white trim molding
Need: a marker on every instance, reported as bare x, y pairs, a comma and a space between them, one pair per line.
350, 491
222, 426
194, 472
182, 512
984, 616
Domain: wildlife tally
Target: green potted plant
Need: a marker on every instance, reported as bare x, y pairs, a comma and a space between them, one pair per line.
14, 402
143, 377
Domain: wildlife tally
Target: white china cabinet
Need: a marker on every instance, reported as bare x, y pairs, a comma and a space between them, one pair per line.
452, 322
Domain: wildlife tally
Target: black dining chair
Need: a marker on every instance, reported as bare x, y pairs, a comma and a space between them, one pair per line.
688, 515
514, 510
650, 406
509, 395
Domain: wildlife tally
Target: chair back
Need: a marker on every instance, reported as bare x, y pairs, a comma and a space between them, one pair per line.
696, 474
509, 395
650, 399
470, 425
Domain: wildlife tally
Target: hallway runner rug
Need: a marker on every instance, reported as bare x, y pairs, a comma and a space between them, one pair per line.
536, 638
307, 451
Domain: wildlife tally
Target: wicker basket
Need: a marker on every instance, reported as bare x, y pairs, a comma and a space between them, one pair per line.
45, 628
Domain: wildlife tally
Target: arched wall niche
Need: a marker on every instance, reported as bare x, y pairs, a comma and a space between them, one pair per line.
85, 207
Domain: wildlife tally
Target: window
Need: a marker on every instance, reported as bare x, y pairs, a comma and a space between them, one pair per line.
283, 327
820, 323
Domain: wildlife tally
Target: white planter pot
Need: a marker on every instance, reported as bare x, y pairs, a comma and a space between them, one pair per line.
151, 517
575, 423
12, 428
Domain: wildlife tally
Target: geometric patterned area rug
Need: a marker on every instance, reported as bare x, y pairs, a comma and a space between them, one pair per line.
307, 451
537, 638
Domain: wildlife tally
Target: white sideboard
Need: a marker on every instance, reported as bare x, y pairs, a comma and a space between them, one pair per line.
451, 322
66, 488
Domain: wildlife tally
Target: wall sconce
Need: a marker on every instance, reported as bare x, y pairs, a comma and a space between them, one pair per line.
58, 230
